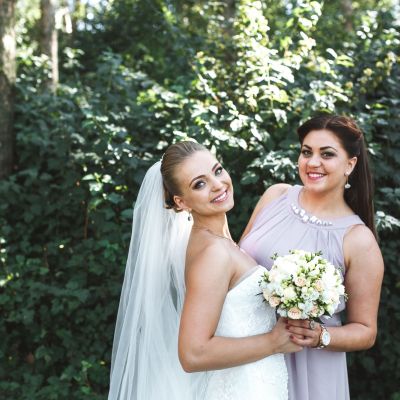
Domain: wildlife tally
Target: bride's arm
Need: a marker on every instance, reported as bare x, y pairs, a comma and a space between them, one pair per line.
272, 193
207, 283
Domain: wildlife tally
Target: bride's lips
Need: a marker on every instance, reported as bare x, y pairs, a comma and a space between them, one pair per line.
220, 198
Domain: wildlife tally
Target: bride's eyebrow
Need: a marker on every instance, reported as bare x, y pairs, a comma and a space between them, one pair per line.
202, 176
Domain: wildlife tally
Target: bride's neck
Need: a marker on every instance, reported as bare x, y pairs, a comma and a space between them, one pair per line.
217, 223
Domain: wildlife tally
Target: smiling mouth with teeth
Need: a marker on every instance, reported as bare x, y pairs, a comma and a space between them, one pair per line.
315, 175
220, 198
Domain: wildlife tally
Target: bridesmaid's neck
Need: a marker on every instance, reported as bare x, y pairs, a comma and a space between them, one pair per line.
324, 204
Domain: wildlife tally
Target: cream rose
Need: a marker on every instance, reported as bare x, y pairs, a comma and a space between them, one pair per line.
300, 281
294, 313
274, 301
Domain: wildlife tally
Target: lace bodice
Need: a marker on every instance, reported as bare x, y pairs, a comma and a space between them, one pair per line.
245, 313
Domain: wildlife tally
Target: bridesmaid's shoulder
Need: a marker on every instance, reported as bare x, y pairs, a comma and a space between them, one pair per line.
273, 192
360, 238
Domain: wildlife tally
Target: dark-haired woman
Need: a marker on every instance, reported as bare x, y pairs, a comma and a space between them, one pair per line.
332, 212
184, 269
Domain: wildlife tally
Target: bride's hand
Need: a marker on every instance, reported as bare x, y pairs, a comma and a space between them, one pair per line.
305, 332
283, 338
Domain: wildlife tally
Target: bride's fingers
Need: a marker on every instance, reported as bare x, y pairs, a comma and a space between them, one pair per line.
298, 336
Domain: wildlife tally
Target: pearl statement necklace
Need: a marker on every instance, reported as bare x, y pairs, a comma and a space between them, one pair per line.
307, 218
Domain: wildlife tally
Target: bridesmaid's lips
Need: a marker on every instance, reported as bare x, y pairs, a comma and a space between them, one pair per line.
315, 176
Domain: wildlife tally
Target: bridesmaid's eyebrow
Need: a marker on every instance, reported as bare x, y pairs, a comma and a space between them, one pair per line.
202, 176
321, 148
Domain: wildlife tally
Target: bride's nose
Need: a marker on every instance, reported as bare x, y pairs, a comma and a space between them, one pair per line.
216, 184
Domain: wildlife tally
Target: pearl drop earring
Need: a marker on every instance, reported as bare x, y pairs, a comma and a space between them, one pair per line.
347, 185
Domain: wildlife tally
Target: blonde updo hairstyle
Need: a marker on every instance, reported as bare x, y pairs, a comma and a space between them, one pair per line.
172, 159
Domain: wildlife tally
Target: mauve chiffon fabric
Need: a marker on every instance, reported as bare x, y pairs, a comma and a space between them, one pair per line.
314, 374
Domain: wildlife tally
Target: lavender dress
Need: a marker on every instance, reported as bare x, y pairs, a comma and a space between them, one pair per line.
282, 226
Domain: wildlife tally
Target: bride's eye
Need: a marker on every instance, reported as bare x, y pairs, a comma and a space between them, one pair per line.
219, 170
199, 185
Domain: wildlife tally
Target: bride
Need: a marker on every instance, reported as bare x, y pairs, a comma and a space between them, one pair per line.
189, 301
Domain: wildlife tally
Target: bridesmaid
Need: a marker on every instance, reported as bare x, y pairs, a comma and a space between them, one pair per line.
332, 212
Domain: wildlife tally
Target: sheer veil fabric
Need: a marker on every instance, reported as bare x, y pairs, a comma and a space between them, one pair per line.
145, 363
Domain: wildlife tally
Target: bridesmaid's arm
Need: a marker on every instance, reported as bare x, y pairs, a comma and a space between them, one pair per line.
272, 193
363, 281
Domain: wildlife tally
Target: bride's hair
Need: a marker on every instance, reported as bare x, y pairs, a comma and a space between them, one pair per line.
172, 159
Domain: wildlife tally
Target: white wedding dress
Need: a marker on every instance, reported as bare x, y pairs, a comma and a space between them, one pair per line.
245, 313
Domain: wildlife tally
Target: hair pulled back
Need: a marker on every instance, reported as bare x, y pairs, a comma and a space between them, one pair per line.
359, 196
172, 159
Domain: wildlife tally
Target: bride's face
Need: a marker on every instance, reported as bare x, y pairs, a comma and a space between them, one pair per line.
206, 187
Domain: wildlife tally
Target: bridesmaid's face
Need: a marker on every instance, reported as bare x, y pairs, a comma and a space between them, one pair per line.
323, 162
206, 187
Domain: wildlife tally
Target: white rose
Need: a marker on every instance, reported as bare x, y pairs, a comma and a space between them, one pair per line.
266, 293
329, 280
275, 275
330, 309
289, 293
286, 267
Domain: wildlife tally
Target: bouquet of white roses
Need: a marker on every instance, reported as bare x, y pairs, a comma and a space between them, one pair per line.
303, 285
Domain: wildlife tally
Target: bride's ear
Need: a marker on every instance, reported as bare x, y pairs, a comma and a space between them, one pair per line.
180, 203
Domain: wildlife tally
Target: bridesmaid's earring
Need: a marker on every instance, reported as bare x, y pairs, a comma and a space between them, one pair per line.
189, 216
347, 185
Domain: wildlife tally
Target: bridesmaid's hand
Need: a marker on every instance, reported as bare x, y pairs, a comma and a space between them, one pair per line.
306, 333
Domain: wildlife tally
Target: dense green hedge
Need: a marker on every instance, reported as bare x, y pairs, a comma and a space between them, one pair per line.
242, 89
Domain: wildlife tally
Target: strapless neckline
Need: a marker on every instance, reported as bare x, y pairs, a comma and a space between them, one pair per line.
248, 274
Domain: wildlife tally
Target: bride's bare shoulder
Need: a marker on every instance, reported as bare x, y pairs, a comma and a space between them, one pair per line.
208, 259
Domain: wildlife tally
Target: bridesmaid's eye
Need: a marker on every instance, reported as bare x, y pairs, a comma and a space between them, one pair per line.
306, 153
328, 154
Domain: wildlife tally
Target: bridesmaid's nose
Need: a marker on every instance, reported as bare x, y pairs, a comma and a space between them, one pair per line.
314, 161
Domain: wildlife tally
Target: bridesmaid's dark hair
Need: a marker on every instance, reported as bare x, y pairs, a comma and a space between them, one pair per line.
172, 159
359, 196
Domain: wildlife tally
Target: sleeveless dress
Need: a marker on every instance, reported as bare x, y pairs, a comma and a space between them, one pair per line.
314, 374
244, 313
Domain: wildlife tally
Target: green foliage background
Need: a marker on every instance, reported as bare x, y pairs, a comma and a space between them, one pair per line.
138, 76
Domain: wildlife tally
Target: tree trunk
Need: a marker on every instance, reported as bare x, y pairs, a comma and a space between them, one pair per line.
49, 39
230, 9
7, 82
78, 9
348, 14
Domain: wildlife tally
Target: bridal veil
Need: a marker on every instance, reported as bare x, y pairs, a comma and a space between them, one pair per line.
145, 363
